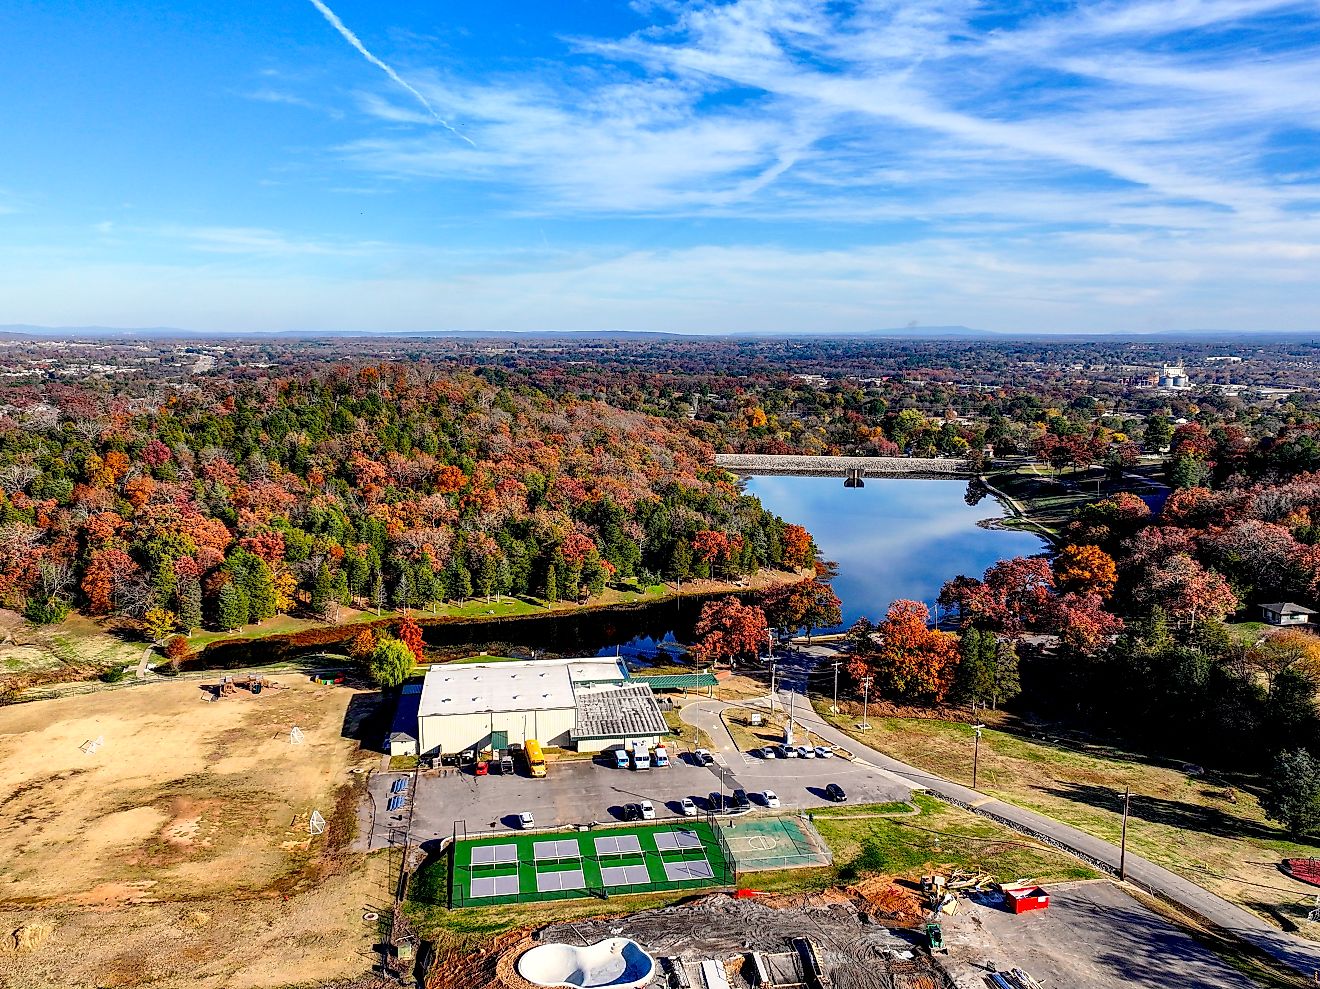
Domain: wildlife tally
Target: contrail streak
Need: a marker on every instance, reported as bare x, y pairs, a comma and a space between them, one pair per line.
353, 40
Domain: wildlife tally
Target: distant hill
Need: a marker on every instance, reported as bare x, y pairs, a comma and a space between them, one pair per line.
25, 330
171, 332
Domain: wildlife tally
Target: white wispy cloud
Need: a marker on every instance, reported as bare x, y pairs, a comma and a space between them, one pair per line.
333, 20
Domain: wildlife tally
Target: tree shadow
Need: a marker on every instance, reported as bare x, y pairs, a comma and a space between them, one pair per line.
1159, 810
367, 720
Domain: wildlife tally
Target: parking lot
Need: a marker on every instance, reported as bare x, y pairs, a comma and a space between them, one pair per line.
580, 792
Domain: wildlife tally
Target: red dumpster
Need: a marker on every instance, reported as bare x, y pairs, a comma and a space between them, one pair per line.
1020, 899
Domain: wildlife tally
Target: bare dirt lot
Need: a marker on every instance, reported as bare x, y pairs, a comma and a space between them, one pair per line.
179, 852
1092, 936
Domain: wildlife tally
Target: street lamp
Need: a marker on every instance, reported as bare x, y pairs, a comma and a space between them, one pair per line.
1122, 847
976, 754
770, 635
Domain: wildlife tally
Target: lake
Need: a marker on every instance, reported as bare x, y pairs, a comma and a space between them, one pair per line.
894, 538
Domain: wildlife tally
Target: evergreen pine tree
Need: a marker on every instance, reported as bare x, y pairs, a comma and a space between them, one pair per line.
260, 587
232, 607
680, 561
551, 585
188, 605
321, 590
458, 582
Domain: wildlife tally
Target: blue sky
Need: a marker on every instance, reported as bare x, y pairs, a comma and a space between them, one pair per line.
771, 165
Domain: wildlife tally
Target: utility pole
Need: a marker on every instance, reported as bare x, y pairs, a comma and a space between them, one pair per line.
836, 687
788, 731
866, 698
1122, 846
770, 634
976, 754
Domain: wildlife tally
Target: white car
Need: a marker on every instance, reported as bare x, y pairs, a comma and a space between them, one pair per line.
769, 752
703, 757
526, 821
689, 807
771, 798
648, 811
806, 752
824, 752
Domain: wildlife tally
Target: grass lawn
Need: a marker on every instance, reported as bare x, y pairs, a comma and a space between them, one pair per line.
1183, 822
940, 836
685, 737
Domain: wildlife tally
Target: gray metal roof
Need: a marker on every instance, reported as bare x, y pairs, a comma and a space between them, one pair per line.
619, 712
1287, 608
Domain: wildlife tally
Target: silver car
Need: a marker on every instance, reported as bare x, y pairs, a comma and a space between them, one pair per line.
806, 752
824, 752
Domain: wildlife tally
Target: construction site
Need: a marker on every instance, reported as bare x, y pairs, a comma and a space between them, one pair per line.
959, 930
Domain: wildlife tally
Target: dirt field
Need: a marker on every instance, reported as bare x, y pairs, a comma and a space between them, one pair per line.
179, 852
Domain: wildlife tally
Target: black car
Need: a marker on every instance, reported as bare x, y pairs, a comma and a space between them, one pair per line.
632, 812
835, 792
715, 801
741, 801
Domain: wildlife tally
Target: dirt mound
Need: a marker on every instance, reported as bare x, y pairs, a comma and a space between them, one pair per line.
885, 901
28, 937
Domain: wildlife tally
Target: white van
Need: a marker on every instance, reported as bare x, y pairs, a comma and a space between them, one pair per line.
641, 757
661, 757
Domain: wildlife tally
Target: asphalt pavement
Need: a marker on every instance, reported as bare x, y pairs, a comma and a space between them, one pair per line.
1297, 953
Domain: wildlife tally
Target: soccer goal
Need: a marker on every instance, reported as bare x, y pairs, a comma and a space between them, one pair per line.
317, 823
295, 735
92, 745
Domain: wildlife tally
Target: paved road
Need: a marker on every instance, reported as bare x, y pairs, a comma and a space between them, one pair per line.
1300, 954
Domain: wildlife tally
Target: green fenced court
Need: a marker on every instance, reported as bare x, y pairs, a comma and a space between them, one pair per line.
758, 844
602, 862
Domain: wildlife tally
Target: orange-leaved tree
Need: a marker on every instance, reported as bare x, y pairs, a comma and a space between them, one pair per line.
729, 629
410, 634
1085, 570
914, 661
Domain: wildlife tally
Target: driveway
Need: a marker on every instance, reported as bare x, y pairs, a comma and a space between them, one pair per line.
1295, 952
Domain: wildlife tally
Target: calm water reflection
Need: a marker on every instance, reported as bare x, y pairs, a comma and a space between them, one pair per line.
894, 538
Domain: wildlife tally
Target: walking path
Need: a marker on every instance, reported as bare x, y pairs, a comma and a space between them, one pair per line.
1297, 953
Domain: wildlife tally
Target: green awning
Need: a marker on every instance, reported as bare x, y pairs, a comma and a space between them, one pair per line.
676, 681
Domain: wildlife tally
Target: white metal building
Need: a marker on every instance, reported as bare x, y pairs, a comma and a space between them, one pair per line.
493, 705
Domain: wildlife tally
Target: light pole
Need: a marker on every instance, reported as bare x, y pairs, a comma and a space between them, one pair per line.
770, 634
835, 709
1122, 846
976, 754
866, 698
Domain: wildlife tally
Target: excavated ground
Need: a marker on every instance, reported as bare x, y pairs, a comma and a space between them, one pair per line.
855, 947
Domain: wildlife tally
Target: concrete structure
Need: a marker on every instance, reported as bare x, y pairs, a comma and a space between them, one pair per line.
587, 702
402, 739
617, 963
764, 463
1286, 613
